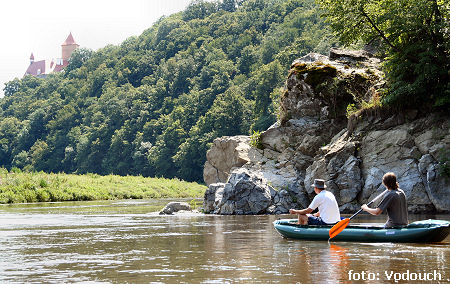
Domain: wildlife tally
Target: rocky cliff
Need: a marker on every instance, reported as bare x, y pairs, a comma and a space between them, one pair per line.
314, 139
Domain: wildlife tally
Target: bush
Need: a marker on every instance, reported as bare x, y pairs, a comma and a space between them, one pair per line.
255, 140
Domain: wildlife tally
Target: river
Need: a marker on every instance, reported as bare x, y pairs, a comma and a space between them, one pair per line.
128, 242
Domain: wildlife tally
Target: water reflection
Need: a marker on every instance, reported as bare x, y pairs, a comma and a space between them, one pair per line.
125, 241
339, 262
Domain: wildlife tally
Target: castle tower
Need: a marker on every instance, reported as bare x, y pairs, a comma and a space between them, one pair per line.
68, 47
42, 68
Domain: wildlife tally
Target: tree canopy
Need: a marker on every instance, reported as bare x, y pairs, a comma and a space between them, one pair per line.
152, 105
415, 36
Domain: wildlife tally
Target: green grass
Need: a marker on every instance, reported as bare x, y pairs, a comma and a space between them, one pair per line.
25, 187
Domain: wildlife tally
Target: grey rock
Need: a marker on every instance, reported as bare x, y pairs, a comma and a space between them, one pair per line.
346, 55
242, 194
436, 186
173, 207
349, 208
225, 154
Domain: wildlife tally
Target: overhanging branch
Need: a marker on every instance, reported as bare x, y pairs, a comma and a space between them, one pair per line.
380, 33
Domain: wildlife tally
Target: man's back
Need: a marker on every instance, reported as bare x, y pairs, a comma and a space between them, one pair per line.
328, 207
394, 203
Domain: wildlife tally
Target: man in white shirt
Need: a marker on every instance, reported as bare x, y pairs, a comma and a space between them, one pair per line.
326, 202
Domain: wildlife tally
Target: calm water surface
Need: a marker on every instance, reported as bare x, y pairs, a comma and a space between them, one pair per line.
127, 242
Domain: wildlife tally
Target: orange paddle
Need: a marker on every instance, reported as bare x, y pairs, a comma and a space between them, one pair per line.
341, 225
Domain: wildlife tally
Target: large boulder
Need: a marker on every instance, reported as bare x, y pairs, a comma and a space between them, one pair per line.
244, 193
173, 207
340, 168
225, 154
322, 87
249, 193
412, 151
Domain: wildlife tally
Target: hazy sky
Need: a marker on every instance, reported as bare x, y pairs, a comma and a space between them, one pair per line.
42, 26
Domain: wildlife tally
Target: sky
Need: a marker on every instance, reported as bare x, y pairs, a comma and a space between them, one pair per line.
40, 27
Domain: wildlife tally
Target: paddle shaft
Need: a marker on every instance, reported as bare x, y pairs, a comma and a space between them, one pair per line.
368, 204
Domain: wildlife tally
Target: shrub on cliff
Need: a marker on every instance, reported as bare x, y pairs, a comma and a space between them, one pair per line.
415, 37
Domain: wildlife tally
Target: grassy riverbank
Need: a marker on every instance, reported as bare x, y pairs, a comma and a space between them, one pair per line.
24, 187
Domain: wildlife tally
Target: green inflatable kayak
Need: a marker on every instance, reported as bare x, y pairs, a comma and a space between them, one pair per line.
418, 232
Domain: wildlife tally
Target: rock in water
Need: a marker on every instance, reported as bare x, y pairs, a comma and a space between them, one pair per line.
173, 207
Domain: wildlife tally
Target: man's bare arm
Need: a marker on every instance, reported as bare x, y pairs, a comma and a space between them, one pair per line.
373, 211
300, 212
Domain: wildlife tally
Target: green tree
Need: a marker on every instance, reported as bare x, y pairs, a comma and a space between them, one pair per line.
229, 5
9, 131
160, 155
12, 87
21, 160
78, 58
247, 59
140, 156
37, 155
119, 155
199, 9
267, 79
228, 116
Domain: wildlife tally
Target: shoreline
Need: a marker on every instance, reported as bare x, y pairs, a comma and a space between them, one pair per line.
37, 187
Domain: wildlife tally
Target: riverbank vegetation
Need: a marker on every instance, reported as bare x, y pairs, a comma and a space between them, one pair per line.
24, 187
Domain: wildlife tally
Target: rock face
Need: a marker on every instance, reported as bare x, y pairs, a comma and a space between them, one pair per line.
226, 154
246, 193
242, 194
314, 139
356, 162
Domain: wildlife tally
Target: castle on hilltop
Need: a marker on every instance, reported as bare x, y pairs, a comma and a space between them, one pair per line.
44, 67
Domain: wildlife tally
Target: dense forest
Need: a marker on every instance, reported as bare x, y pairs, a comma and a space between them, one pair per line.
152, 105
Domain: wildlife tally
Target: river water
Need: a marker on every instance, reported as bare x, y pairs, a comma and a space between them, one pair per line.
128, 242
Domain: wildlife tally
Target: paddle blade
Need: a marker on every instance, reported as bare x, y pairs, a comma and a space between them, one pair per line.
339, 227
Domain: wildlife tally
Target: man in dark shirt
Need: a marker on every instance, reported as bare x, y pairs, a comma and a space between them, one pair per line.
394, 203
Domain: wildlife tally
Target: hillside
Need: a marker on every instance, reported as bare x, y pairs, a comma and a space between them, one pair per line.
153, 105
